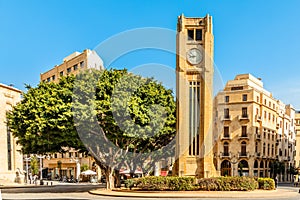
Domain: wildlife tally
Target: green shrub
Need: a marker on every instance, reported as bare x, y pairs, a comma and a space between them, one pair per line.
266, 183
162, 183
227, 184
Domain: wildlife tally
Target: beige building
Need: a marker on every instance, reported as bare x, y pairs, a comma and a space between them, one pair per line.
72, 160
194, 83
254, 132
10, 156
297, 154
73, 64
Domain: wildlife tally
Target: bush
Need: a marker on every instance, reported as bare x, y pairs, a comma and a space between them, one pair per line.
162, 183
227, 184
266, 183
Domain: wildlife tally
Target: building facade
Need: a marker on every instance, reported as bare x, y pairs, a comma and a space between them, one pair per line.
73, 64
194, 83
254, 132
11, 168
297, 153
68, 164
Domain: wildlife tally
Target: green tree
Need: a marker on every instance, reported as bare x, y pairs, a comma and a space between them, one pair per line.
137, 117
84, 167
34, 166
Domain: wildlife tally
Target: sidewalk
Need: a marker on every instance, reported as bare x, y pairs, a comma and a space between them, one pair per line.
198, 194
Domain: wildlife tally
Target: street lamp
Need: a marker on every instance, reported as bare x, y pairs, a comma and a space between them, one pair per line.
77, 167
27, 159
41, 168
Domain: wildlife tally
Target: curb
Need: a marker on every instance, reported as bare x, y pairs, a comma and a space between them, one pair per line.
236, 195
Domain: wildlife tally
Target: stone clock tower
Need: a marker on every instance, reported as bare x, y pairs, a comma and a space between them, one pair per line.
194, 83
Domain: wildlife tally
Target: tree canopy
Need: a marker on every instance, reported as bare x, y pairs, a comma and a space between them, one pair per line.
120, 118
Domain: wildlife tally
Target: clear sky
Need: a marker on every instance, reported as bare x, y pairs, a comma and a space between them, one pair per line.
261, 37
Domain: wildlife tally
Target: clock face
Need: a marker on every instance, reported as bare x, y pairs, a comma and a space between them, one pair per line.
194, 56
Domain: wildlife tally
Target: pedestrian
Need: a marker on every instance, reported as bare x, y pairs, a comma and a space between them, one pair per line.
276, 182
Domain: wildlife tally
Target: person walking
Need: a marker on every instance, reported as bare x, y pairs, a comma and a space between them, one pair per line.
276, 182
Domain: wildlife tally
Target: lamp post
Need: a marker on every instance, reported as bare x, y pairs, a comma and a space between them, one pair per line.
27, 159
77, 167
41, 168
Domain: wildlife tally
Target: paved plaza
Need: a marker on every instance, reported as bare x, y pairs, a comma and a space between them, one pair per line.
89, 192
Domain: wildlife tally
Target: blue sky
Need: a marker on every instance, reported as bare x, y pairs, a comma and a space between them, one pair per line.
251, 36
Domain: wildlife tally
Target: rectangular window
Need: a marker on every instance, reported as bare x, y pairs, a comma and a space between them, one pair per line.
244, 97
70, 154
226, 113
75, 67
244, 131
69, 70
194, 118
53, 77
76, 154
226, 99
190, 34
55, 155
61, 73
257, 98
226, 131
198, 34
48, 79
82, 64
9, 153
244, 113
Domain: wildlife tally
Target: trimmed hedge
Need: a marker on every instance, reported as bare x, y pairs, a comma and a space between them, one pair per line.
266, 183
162, 183
227, 184
159, 183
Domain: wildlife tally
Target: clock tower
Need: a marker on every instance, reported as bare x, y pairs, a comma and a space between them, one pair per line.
194, 91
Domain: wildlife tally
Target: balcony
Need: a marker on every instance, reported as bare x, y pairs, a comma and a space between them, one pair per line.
243, 155
258, 118
225, 155
226, 137
244, 137
257, 137
227, 118
243, 117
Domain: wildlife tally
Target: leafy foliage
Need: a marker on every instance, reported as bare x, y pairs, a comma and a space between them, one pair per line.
227, 184
156, 183
266, 183
34, 166
43, 120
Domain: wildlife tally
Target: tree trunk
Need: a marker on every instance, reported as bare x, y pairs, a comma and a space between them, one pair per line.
117, 178
110, 183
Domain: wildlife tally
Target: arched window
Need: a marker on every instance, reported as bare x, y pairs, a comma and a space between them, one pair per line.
261, 164
255, 164
226, 149
225, 168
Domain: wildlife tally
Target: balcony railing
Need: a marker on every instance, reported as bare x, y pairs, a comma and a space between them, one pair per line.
225, 155
227, 118
243, 154
258, 118
257, 137
226, 137
244, 137
244, 117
